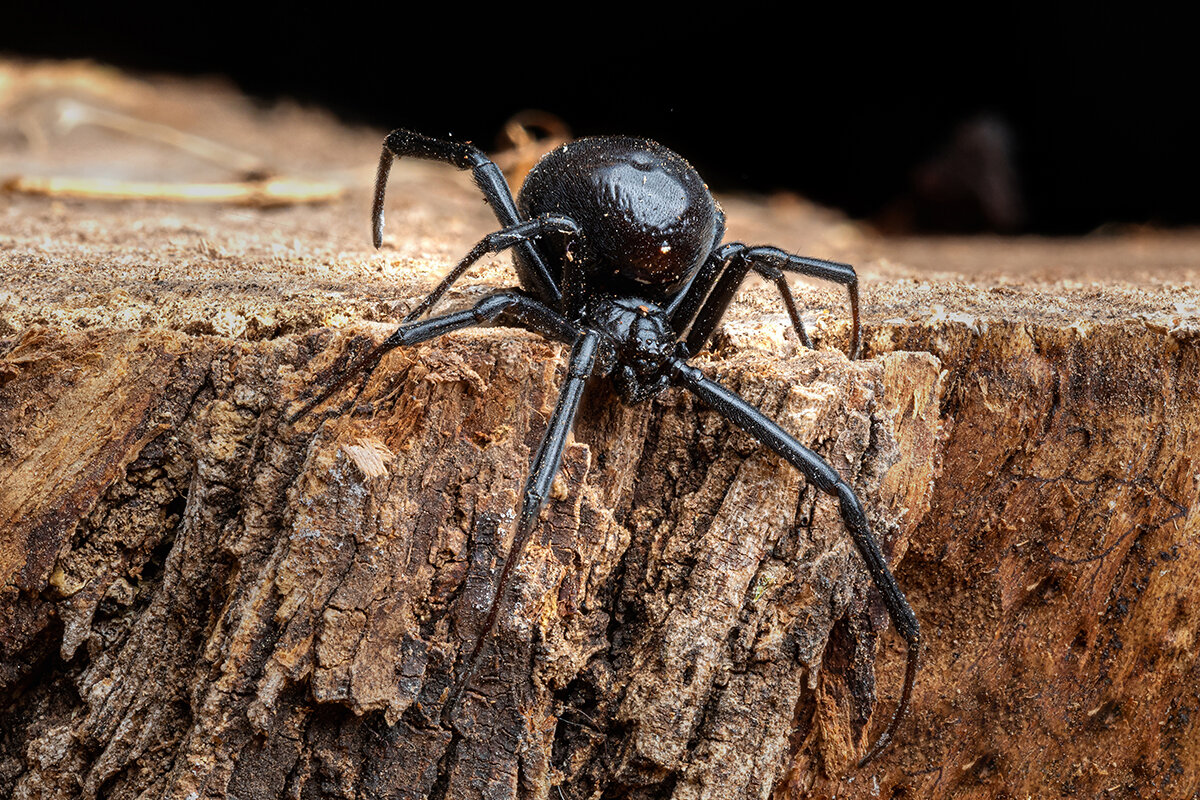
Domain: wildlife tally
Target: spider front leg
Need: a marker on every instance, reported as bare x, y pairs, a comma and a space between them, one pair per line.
536, 278
504, 306
541, 478
825, 478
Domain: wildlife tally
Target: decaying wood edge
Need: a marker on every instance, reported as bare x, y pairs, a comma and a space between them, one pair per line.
198, 600
185, 564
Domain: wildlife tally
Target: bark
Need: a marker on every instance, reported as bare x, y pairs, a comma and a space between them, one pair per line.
216, 603
201, 601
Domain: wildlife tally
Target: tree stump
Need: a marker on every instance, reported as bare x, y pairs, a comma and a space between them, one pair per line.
200, 600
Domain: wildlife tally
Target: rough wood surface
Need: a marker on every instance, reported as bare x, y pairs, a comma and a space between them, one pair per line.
199, 601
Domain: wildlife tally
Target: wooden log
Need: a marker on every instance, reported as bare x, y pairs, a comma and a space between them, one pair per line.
201, 601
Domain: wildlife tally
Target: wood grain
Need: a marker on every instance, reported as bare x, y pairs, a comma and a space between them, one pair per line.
200, 601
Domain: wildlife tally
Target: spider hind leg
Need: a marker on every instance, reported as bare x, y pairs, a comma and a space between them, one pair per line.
495, 242
703, 304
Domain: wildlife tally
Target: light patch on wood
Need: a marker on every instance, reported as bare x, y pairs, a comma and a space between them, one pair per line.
264, 193
371, 456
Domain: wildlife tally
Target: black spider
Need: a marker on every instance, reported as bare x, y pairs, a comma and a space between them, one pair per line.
617, 245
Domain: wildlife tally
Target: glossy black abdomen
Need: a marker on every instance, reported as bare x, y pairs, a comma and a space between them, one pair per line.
648, 218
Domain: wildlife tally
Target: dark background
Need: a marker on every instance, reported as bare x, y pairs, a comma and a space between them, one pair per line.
1051, 121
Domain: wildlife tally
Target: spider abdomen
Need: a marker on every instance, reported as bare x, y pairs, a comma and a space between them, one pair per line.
647, 217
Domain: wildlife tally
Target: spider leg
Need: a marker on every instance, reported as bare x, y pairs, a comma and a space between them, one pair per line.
771, 263
683, 309
535, 277
541, 478
789, 302
731, 271
499, 307
825, 478
494, 243
771, 259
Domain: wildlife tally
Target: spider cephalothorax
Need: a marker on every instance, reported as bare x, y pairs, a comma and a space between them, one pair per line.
636, 343
617, 245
